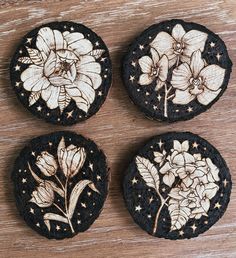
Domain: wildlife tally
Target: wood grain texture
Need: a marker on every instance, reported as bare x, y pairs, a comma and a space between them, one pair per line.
119, 128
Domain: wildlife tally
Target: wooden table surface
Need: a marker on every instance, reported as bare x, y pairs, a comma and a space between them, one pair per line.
119, 128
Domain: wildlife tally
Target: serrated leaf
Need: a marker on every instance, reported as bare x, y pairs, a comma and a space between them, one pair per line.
34, 96
75, 194
52, 216
179, 214
97, 53
148, 172
35, 56
64, 99
25, 60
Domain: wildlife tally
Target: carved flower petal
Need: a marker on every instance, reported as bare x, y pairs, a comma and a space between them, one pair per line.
51, 95
188, 158
177, 146
145, 79
205, 204
155, 55
60, 43
181, 76
213, 76
214, 170
163, 43
45, 40
175, 194
187, 181
169, 179
81, 46
179, 160
146, 64
211, 190
165, 168
194, 40
185, 146
158, 156
183, 97
72, 37
196, 63
163, 66
50, 64
159, 84
207, 96
178, 32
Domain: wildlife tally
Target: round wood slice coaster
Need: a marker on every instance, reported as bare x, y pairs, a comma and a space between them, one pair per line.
62, 72
61, 183
177, 186
176, 70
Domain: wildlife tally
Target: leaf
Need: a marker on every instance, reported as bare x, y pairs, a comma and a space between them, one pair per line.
52, 216
97, 53
148, 172
179, 214
64, 99
34, 96
75, 194
35, 56
25, 60
52, 184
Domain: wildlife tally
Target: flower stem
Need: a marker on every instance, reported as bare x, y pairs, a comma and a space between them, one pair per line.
59, 208
165, 101
163, 202
59, 181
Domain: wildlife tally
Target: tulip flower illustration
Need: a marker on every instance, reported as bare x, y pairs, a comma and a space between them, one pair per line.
47, 164
43, 196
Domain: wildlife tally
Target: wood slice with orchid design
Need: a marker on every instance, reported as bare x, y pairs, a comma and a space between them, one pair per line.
176, 70
61, 72
177, 186
61, 183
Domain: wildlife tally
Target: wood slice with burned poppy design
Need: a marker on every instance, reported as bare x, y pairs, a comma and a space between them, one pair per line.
61, 183
61, 72
177, 186
176, 70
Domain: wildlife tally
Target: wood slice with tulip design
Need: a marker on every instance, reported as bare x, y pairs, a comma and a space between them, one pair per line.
61, 72
61, 183
177, 186
176, 70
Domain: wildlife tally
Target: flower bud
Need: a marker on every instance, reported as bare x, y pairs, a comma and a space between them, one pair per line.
47, 164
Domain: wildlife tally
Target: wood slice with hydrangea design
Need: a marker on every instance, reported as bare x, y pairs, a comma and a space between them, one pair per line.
176, 70
61, 183
177, 186
61, 72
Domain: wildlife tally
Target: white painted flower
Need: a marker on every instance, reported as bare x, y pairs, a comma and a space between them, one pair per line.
179, 45
159, 157
153, 68
63, 67
197, 81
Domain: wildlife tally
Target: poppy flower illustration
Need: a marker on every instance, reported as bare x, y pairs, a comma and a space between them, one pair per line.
43, 196
153, 68
180, 45
61, 69
197, 81
47, 164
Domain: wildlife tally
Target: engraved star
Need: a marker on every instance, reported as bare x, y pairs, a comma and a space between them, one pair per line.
134, 181
105, 76
103, 59
70, 114
97, 43
24, 180
50, 143
99, 93
163, 189
146, 102
190, 109
154, 107
22, 94
160, 143
147, 93
181, 233
217, 205
58, 227
138, 90
133, 63
38, 225
138, 208
212, 44
218, 56
29, 40
149, 216
206, 222
72, 28
20, 51
91, 166
17, 84
176, 110
32, 210
193, 227
98, 177
33, 153
159, 97
39, 108
225, 182
195, 145
83, 205
131, 78
89, 193
151, 199
78, 222
19, 170
17, 68
141, 47
23, 191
